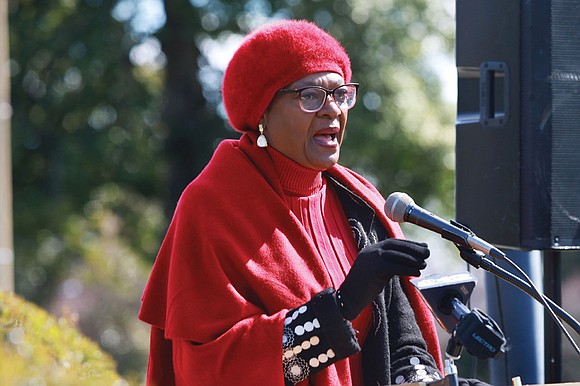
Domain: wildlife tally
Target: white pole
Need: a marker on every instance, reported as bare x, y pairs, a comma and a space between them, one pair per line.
6, 228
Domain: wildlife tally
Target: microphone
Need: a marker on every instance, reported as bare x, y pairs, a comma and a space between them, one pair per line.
439, 291
472, 329
401, 208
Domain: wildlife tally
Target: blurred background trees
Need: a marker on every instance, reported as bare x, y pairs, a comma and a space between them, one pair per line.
117, 106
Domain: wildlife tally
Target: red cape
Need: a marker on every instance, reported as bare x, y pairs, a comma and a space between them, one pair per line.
233, 262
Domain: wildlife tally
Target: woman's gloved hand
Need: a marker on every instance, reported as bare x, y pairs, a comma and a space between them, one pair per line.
374, 266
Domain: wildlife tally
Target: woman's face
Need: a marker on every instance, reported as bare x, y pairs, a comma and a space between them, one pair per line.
311, 139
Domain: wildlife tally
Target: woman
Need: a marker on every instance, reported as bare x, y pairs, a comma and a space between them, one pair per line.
279, 266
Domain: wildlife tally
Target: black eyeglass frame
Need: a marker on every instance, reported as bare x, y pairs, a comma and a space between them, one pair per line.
327, 91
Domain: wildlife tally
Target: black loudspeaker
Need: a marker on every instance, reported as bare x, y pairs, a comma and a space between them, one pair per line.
518, 122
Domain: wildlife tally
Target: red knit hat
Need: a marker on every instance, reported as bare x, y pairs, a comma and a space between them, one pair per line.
272, 57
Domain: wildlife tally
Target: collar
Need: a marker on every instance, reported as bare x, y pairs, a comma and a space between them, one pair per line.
296, 180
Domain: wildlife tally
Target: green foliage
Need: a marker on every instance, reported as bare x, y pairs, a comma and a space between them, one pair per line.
88, 168
82, 118
38, 349
401, 133
104, 283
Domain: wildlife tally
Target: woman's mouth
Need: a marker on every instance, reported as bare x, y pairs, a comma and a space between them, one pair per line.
326, 139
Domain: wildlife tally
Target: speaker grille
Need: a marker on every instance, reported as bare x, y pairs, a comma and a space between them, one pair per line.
565, 80
550, 133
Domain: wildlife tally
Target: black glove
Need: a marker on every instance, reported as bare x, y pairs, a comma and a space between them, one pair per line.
471, 382
374, 266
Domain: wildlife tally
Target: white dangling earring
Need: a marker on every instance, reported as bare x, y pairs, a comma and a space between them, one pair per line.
262, 141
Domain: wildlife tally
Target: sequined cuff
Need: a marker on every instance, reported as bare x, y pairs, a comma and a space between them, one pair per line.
416, 372
315, 336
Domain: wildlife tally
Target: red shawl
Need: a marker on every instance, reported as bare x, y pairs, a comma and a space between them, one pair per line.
233, 262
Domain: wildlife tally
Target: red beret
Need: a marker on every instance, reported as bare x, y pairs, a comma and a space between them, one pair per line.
272, 57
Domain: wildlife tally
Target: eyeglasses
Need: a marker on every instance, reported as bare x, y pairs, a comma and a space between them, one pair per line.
312, 98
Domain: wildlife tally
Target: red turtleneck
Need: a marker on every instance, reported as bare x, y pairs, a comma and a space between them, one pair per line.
317, 207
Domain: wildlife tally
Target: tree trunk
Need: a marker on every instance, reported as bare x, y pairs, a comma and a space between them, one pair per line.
192, 128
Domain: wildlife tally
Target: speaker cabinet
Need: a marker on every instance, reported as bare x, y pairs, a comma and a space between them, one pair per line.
518, 122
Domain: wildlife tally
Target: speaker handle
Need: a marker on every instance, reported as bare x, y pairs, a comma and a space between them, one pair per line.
493, 77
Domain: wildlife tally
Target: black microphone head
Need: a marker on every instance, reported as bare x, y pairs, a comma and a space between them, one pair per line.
397, 205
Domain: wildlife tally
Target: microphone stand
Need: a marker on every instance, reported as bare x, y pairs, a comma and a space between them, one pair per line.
479, 260
474, 330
